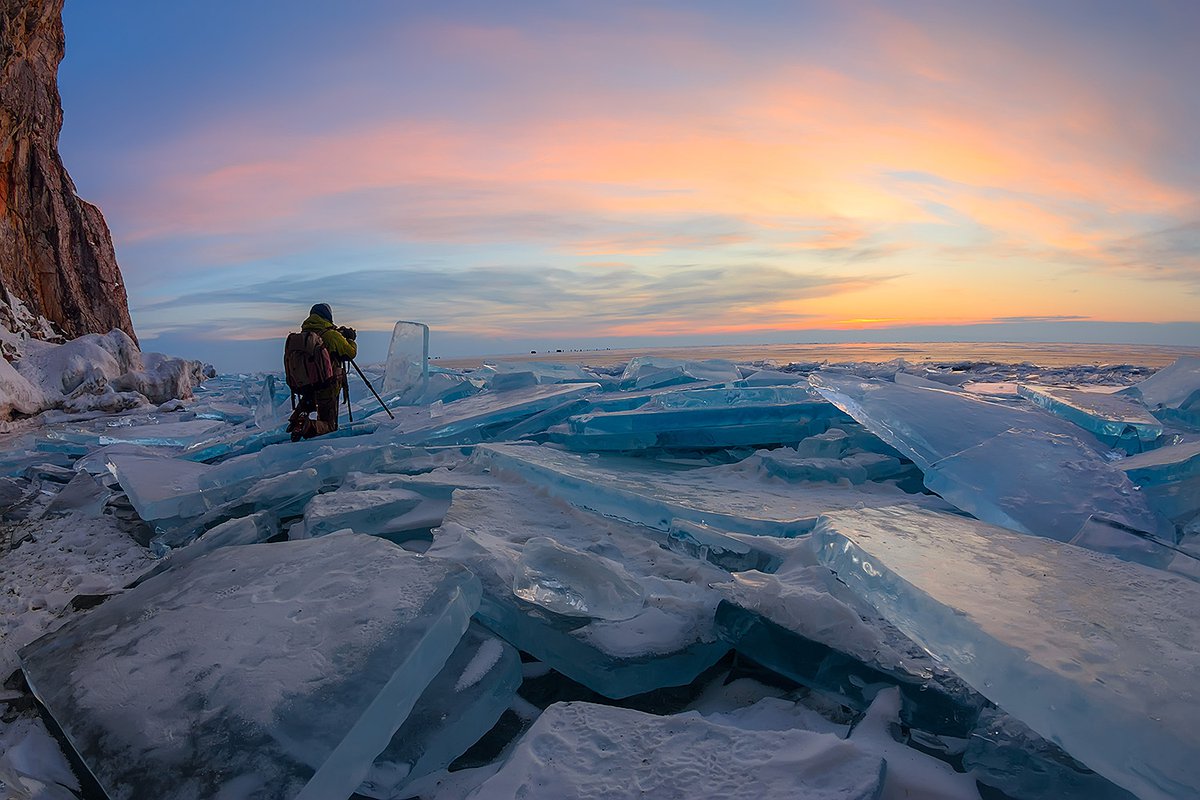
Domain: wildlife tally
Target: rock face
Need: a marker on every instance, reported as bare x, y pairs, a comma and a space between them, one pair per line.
56, 252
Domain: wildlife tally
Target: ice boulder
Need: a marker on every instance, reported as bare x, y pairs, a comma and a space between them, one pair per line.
19, 396
84, 365
267, 670
588, 750
163, 378
1098, 655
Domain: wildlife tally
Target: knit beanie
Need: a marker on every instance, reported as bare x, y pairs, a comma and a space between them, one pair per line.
322, 310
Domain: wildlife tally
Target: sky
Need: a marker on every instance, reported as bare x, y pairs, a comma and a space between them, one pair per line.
542, 175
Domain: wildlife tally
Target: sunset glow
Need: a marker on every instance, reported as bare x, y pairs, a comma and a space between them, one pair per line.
626, 174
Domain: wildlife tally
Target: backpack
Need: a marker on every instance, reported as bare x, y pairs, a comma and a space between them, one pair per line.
307, 365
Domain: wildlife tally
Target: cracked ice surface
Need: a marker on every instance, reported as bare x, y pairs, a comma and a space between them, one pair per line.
1021, 468
655, 630
653, 494
162, 697
928, 425
1097, 654
587, 750
466, 698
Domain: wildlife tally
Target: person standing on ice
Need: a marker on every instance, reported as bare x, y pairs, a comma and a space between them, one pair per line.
314, 365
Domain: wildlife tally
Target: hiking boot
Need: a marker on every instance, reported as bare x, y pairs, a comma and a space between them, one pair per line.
297, 424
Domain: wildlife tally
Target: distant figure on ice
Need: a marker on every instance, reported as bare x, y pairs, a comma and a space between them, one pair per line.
314, 365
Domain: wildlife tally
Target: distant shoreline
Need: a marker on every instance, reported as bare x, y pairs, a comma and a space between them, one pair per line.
1049, 354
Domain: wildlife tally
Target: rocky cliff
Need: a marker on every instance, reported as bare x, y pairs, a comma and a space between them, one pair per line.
56, 252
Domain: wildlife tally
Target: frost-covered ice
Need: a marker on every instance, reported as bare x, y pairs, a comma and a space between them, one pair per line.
162, 697
587, 750
1098, 654
640, 532
597, 599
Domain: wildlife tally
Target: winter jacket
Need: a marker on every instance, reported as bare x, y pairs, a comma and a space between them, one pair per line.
340, 349
339, 346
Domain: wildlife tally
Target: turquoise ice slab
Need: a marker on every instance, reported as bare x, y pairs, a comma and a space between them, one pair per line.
645, 372
1175, 387
927, 425
470, 419
366, 511
938, 705
1164, 465
1112, 418
161, 488
266, 671
461, 704
705, 418
584, 750
1096, 654
1040, 483
637, 616
653, 494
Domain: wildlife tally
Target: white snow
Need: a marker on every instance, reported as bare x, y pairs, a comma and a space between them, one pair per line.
606, 519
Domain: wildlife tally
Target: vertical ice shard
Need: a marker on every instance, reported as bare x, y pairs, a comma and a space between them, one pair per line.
267, 670
407, 368
462, 703
588, 750
268, 411
1096, 654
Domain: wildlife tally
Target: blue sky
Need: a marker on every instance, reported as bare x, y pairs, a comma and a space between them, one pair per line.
528, 176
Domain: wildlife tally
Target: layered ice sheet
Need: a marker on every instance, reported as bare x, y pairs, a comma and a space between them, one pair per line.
1041, 483
161, 489
648, 372
463, 702
470, 419
596, 599
373, 511
1172, 388
927, 425
1099, 655
587, 750
704, 418
1021, 468
1113, 419
206, 682
653, 494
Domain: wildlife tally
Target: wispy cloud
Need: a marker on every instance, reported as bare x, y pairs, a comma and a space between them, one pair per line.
780, 166
608, 301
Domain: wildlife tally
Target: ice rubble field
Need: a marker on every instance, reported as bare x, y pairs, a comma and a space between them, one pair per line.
675, 580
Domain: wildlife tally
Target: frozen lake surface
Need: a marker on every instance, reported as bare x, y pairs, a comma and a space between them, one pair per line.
851, 571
